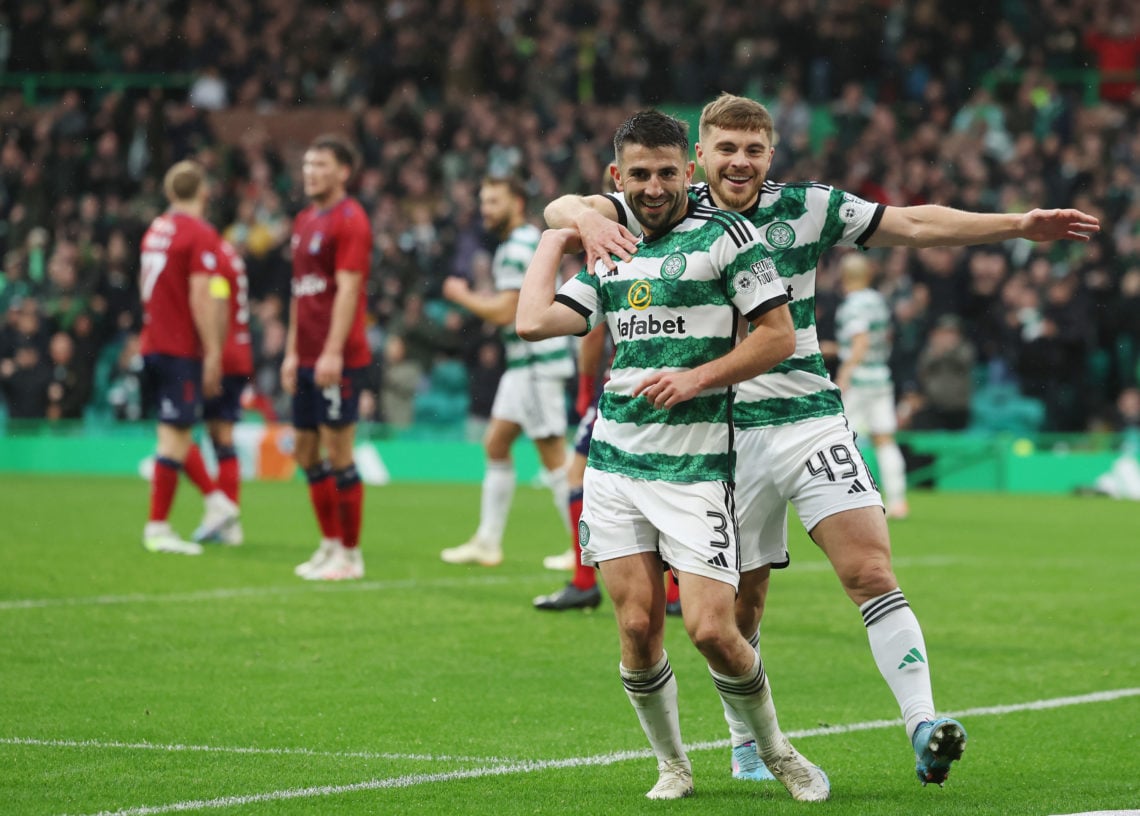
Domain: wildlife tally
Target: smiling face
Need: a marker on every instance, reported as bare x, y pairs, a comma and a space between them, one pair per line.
654, 181
735, 162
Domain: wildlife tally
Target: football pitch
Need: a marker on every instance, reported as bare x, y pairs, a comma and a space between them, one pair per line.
135, 683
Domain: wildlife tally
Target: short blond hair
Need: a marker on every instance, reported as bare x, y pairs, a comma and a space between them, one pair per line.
183, 181
732, 112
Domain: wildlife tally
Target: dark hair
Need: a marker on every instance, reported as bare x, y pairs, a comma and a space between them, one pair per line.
652, 128
515, 185
342, 150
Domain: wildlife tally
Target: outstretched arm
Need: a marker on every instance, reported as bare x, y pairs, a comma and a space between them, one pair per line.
539, 316
596, 220
930, 225
771, 341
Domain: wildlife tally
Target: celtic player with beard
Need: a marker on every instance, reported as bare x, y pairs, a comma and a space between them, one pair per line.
658, 484
793, 440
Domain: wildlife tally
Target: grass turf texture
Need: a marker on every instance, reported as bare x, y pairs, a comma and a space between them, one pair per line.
130, 679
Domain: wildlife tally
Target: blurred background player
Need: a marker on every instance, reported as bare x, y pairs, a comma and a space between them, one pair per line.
531, 397
863, 329
582, 591
326, 353
220, 521
181, 340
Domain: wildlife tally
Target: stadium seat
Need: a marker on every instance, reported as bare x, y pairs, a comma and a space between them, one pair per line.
1001, 407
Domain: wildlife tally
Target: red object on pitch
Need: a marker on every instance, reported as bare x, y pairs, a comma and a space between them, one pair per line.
326, 504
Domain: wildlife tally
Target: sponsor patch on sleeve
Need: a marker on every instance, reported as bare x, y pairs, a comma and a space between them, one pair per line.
765, 270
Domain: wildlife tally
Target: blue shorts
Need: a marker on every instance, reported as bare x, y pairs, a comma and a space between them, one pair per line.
585, 430
226, 406
334, 407
174, 387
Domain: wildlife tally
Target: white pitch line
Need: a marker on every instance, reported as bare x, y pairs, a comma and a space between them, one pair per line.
267, 591
211, 749
411, 780
354, 586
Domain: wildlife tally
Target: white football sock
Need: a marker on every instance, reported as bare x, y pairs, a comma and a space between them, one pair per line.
751, 698
559, 486
737, 729
653, 692
892, 467
495, 504
900, 653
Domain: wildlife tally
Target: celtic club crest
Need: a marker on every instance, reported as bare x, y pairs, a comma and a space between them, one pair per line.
673, 267
780, 235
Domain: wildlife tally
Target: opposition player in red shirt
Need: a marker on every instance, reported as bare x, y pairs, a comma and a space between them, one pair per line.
181, 340
326, 353
220, 521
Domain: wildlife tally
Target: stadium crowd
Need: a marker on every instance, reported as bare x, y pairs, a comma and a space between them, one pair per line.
973, 104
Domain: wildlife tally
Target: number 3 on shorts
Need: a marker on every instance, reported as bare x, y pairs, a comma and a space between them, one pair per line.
720, 526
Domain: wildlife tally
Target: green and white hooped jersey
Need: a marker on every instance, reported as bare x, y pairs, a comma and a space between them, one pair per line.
546, 358
865, 311
674, 306
797, 223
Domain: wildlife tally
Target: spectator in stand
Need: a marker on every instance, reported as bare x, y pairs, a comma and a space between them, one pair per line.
71, 379
24, 381
1114, 39
945, 377
402, 379
907, 75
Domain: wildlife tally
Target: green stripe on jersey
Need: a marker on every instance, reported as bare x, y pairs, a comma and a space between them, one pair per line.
786, 410
803, 313
812, 365
669, 294
636, 410
670, 352
708, 467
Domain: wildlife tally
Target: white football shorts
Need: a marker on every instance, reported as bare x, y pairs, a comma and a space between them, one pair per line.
692, 526
813, 464
871, 408
537, 404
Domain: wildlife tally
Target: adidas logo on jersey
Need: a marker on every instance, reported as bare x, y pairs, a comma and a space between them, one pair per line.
649, 326
857, 487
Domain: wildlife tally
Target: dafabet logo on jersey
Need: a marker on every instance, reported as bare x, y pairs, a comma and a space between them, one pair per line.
640, 297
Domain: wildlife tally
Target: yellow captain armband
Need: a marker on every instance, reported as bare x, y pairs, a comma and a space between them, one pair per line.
219, 287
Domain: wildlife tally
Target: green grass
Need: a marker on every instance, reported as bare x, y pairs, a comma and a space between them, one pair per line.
106, 650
